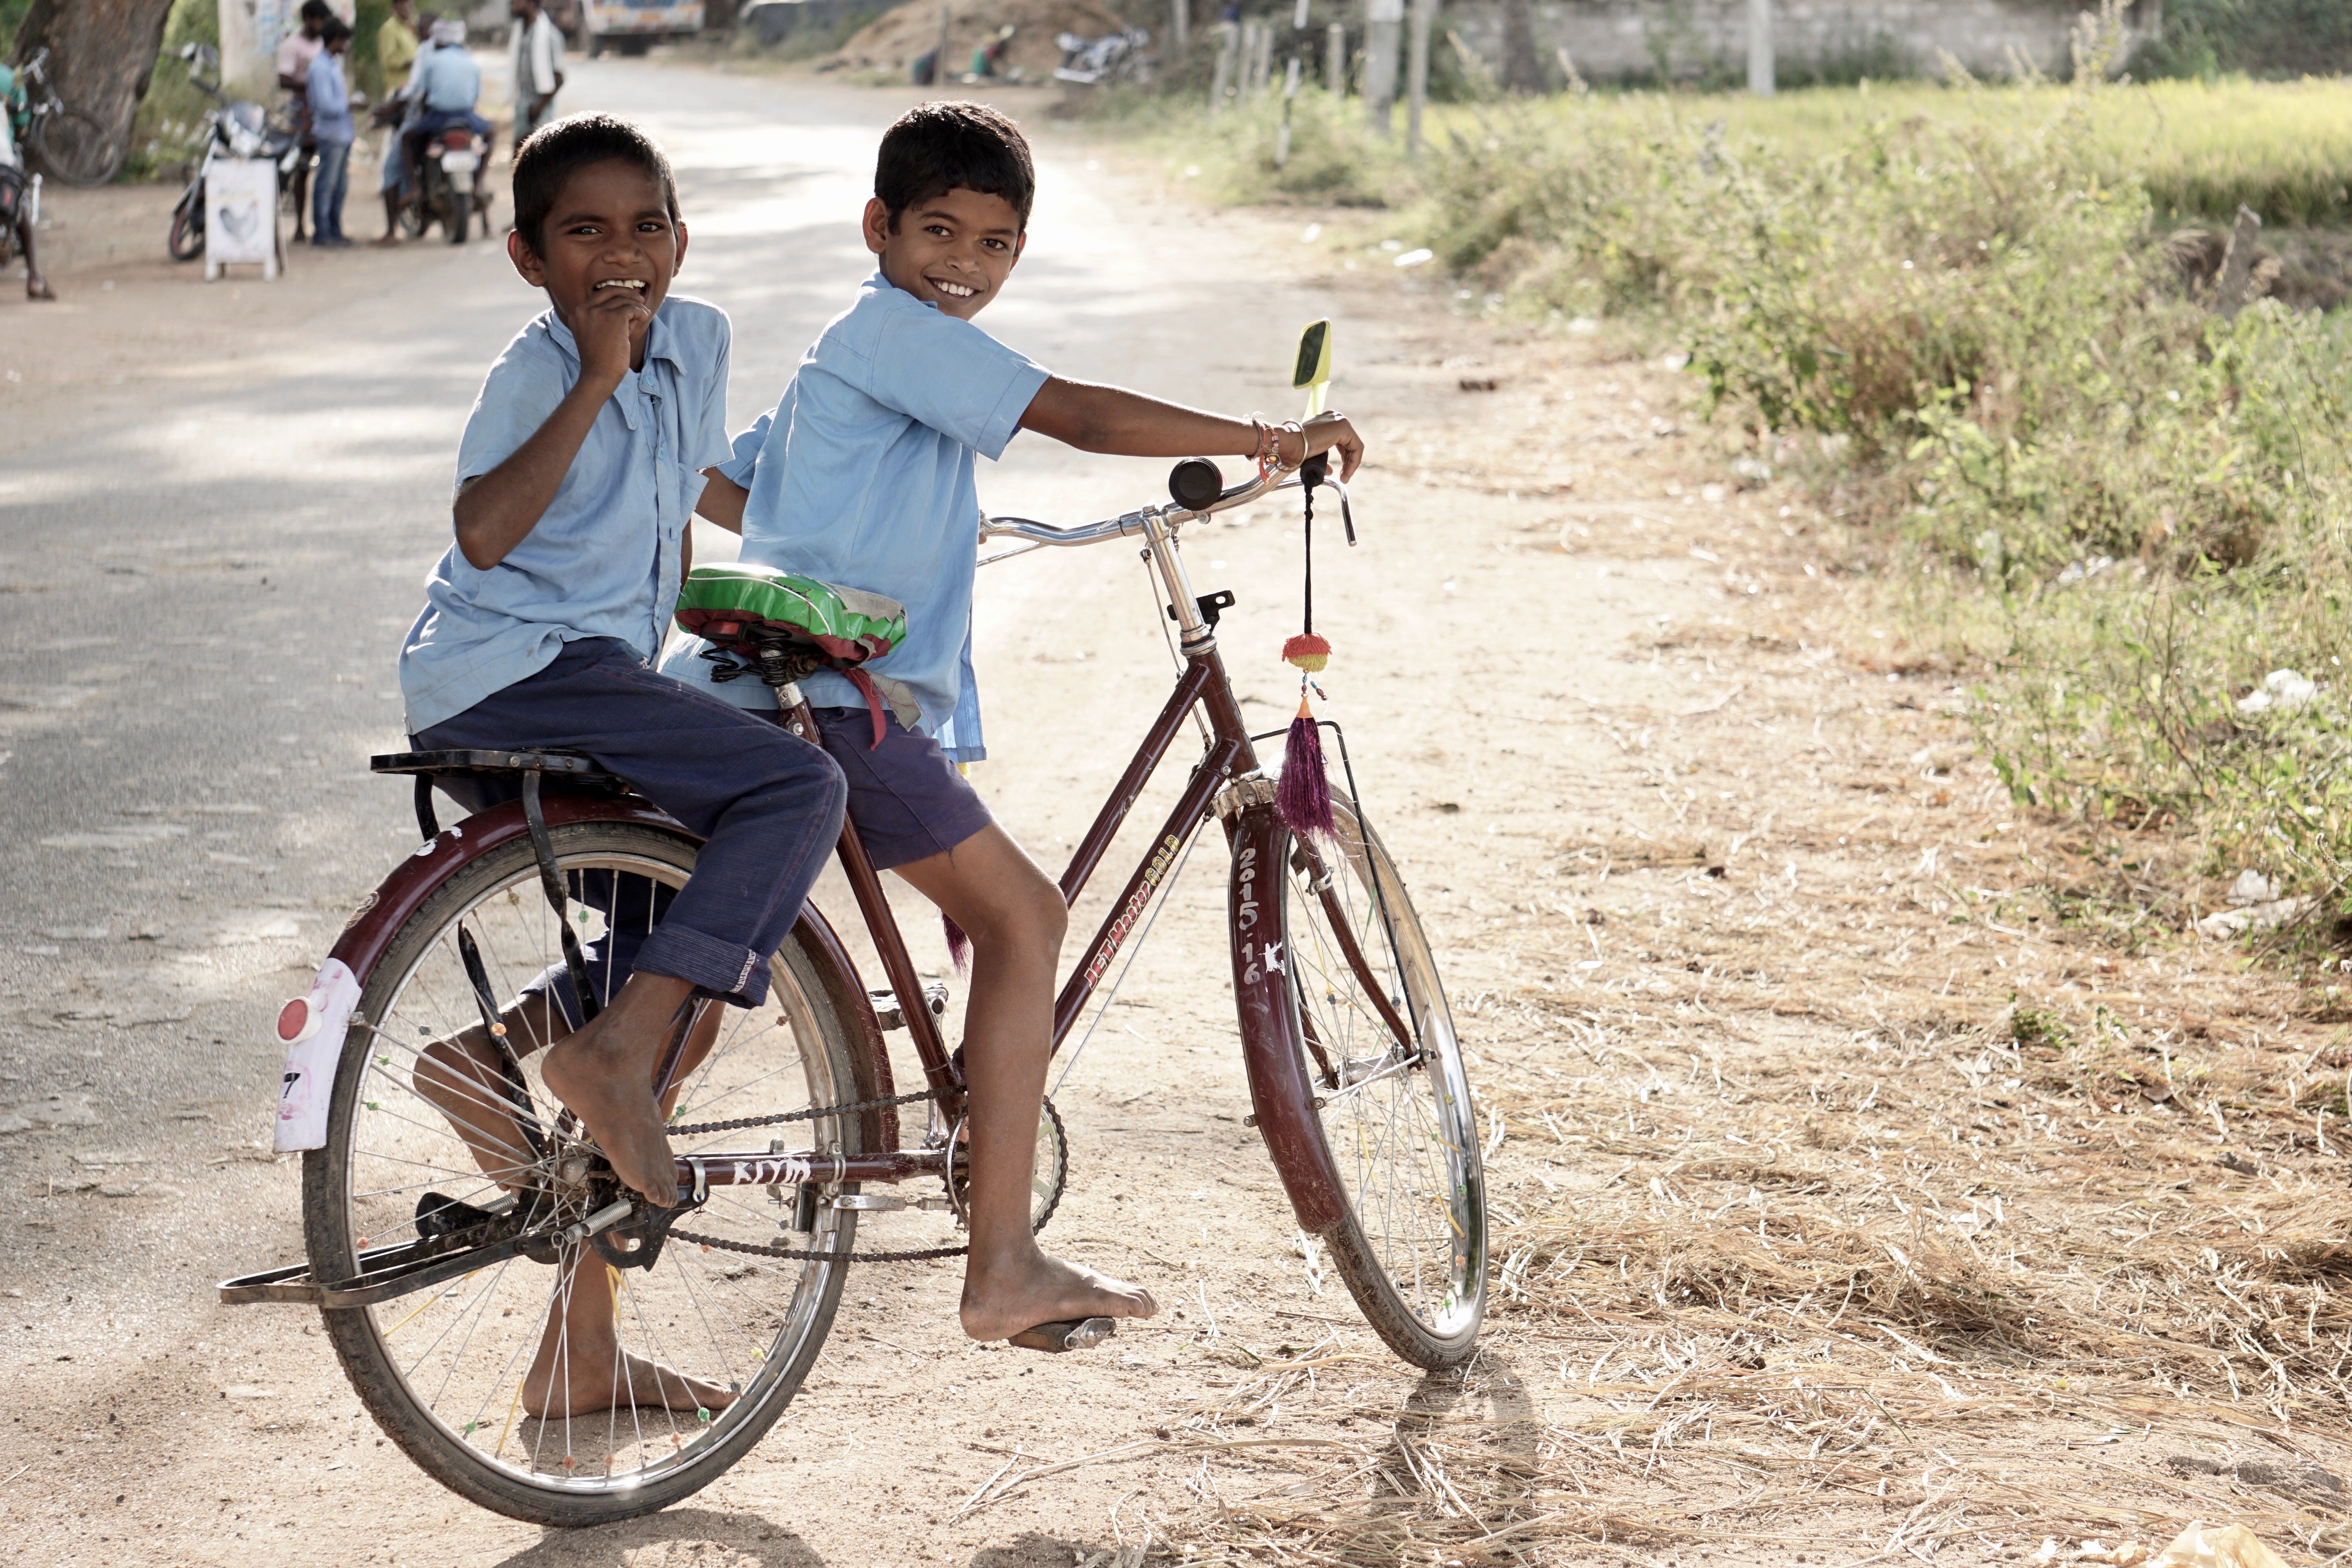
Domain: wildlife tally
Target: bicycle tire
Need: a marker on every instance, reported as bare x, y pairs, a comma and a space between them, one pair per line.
187, 237
1394, 1127
438, 1401
85, 155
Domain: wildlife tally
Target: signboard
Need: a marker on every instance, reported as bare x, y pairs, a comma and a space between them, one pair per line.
241, 215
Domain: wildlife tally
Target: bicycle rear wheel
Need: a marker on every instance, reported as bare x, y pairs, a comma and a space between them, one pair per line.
445, 1369
73, 147
1378, 1054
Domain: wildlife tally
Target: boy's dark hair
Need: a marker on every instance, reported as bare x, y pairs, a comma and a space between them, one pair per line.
935, 148
333, 30
317, 11
551, 154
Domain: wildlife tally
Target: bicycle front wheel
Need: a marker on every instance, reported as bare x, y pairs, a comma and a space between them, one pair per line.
1377, 1053
73, 147
548, 1386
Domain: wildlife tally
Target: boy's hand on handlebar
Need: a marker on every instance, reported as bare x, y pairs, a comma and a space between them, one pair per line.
1325, 433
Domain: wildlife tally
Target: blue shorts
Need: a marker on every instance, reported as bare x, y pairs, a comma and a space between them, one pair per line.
907, 799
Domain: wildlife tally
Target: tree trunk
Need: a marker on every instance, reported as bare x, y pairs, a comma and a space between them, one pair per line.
1522, 69
101, 53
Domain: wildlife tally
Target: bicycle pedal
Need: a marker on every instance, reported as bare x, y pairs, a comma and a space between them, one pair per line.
1067, 1335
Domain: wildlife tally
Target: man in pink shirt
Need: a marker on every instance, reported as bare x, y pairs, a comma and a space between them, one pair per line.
295, 53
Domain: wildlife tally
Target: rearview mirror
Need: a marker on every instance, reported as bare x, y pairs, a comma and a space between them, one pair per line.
1312, 371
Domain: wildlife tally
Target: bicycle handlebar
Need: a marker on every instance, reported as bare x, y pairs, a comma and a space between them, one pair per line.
1174, 514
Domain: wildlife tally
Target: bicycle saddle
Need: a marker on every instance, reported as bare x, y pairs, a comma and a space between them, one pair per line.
784, 626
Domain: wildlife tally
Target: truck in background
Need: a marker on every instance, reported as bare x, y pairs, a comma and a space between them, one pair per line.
633, 27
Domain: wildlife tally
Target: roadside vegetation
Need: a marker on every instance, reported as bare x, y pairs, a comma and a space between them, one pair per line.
1981, 319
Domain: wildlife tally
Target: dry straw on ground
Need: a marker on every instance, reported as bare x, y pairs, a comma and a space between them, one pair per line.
1875, 1170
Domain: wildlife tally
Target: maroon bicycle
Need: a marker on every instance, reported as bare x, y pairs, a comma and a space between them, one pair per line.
443, 1286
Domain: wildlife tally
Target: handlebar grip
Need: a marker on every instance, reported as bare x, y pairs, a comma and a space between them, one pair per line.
1311, 471
1195, 483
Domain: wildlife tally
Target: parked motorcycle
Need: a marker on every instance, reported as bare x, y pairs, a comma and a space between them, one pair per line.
234, 129
1113, 57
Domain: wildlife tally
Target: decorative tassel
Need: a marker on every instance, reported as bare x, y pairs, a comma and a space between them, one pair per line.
1303, 794
1308, 652
959, 944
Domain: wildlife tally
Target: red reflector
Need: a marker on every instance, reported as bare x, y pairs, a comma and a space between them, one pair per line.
293, 1018
729, 629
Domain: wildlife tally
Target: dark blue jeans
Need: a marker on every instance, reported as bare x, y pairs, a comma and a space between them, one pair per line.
327, 188
767, 804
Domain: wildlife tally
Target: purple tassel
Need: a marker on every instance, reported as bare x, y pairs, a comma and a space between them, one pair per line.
1303, 796
959, 944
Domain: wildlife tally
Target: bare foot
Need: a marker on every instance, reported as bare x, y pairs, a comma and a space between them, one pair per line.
597, 1384
39, 288
605, 1074
460, 1076
999, 1299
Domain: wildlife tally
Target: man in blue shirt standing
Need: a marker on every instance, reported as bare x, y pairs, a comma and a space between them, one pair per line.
330, 125
449, 83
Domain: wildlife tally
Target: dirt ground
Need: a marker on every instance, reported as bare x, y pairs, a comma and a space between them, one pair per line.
1861, 1191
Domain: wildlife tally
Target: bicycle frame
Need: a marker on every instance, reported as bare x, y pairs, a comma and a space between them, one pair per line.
1202, 687
1227, 779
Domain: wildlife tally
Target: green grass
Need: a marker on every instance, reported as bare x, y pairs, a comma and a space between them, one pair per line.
2198, 149
2121, 510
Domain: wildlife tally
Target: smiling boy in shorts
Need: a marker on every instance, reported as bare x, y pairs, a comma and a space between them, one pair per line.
864, 476
576, 475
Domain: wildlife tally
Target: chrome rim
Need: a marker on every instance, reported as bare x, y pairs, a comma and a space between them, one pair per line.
1396, 1114
463, 1352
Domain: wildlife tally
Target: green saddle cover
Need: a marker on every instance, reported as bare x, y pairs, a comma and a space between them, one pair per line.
784, 626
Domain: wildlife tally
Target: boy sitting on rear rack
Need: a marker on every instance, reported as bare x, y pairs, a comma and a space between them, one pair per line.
863, 476
576, 477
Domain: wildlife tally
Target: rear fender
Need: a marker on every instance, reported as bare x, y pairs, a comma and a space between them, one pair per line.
1280, 1093
369, 933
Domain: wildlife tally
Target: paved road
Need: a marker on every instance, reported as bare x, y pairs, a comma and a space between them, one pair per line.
209, 548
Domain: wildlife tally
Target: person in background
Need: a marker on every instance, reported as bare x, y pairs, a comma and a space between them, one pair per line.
330, 94
538, 68
447, 82
15, 202
295, 53
396, 51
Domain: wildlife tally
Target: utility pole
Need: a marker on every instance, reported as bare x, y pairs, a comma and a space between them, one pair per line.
1383, 24
1335, 59
1180, 17
1424, 17
1760, 47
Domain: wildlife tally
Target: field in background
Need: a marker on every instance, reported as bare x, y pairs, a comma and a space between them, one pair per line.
1972, 316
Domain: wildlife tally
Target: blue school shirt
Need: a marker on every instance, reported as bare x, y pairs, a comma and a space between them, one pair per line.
863, 476
330, 93
603, 562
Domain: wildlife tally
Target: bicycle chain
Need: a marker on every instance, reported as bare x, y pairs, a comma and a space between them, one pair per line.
810, 1254
699, 1129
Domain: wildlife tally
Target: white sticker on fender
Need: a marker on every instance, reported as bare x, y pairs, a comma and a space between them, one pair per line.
313, 1038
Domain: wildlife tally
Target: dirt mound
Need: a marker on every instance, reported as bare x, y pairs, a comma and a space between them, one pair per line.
893, 41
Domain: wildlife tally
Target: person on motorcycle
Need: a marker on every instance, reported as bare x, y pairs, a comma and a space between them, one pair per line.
15, 202
396, 51
449, 82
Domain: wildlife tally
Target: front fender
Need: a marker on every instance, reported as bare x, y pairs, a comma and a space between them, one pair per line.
1280, 1091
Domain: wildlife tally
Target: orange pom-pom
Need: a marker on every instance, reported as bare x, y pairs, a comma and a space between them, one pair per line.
1308, 652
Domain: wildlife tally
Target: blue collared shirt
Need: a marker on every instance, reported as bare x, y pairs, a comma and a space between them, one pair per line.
448, 81
863, 476
330, 99
602, 561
